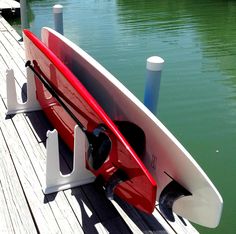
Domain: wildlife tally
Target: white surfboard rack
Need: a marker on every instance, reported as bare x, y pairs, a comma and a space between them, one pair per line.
55, 181
13, 106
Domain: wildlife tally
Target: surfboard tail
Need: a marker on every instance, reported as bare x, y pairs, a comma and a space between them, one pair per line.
195, 207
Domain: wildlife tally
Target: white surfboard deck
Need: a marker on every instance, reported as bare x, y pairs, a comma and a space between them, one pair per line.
164, 153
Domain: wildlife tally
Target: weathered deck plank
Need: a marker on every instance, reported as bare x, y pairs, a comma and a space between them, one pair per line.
7, 27
8, 62
12, 58
15, 207
42, 212
2, 74
5, 217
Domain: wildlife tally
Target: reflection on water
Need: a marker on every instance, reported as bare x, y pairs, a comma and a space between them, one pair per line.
197, 39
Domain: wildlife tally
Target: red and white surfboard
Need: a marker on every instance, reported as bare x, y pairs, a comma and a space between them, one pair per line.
165, 158
137, 186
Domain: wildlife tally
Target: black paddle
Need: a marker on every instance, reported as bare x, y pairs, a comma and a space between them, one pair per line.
99, 142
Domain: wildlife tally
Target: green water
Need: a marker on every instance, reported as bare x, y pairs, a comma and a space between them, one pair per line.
197, 39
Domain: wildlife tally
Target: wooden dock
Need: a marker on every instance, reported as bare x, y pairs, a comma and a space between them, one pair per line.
9, 8
23, 206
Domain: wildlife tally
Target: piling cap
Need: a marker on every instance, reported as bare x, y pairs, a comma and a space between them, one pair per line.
57, 8
155, 63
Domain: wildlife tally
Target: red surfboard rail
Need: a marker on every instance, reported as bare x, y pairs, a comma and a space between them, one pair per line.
140, 188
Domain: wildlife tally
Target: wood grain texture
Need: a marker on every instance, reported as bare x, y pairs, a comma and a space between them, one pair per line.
15, 204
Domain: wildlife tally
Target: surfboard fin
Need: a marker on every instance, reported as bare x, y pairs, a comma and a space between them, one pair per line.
100, 146
118, 177
168, 196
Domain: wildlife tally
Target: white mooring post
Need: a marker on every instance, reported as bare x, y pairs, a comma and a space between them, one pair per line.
24, 15
58, 18
153, 81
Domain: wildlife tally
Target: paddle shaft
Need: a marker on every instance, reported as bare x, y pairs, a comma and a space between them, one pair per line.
98, 150
53, 92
